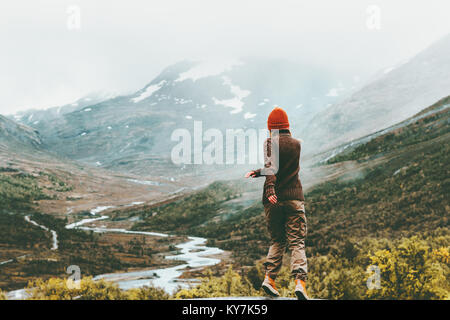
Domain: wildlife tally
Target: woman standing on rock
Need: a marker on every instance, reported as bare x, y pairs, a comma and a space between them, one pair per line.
283, 204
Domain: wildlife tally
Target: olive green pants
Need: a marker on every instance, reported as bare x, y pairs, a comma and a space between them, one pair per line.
286, 222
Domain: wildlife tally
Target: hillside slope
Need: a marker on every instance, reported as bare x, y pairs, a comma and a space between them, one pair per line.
398, 188
53, 191
396, 95
15, 135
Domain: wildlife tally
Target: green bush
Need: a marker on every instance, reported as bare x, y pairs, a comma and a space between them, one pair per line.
230, 284
88, 289
147, 293
412, 270
62, 289
18, 191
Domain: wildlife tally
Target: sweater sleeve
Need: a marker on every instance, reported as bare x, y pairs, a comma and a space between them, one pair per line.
269, 170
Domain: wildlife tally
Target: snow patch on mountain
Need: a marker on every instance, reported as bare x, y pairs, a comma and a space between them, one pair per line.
181, 101
208, 69
335, 92
249, 115
235, 103
387, 70
149, 91
263, 102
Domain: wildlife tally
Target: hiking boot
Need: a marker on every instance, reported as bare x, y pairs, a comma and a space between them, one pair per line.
300, 290
269, 287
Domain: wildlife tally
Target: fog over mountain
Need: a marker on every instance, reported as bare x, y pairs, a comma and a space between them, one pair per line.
121, 46
325, 108
394, 95
224, 94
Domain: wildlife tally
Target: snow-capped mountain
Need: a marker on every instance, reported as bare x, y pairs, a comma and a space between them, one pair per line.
32, 117
222, 94
395, 94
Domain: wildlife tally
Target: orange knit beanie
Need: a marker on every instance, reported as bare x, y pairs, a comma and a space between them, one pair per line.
278, 119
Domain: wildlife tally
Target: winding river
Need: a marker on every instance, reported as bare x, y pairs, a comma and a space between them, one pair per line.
194, 253
53, 232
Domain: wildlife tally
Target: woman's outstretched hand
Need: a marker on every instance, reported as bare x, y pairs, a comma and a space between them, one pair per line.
273, 199
250, 174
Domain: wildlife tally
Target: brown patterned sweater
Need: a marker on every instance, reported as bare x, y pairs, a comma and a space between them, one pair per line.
282, 176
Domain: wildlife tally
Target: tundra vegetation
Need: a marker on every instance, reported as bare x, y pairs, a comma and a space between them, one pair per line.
26, 247
392, 213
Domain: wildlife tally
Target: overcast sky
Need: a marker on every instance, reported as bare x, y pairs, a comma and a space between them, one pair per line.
46, 60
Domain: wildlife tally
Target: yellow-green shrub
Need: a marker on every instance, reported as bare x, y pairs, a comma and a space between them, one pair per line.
88, 289
62, 289
231, 284
147, 293
411, 270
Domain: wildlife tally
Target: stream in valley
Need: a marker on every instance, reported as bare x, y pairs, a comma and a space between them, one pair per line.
193, 254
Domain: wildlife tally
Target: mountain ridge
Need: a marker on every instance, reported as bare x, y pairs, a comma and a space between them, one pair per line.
13, 134
391, 98
230, 95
